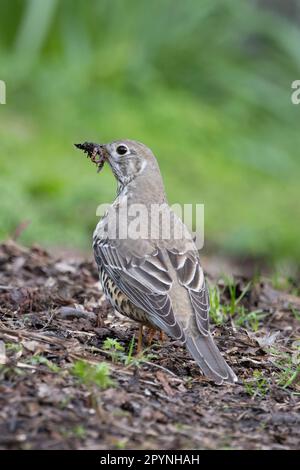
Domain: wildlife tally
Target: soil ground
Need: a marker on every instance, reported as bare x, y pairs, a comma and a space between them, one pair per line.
56, 328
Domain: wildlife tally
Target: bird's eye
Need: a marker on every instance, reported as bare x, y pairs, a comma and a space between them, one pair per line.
122, 149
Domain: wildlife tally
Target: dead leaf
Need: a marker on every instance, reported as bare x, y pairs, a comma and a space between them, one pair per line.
164, 381
266, 341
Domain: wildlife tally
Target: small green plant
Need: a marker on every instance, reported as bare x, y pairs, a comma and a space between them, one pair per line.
118, 354
37, 359
221, 312
129, 357
288, 365
296, 313
217, 311
249, 319
120, 445
114, 348
234, 299
10, 371
257, 385
89, 374
14, 347
79, 431
288, 376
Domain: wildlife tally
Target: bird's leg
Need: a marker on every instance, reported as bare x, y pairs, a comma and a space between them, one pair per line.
140, 340
162, 336
151, 334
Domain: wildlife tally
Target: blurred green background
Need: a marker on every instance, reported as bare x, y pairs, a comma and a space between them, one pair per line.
206, 84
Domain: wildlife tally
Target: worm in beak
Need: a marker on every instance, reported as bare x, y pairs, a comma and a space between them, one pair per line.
95, 152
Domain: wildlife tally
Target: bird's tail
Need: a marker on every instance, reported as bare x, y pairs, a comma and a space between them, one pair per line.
209, 359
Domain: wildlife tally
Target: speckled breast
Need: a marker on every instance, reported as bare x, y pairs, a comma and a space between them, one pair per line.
120, 301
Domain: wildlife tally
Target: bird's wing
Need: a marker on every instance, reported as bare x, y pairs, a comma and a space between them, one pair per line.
190, 275
140, 270
199, 340
141, 273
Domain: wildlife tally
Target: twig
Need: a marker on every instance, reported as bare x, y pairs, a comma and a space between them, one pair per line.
153, 364
37, 336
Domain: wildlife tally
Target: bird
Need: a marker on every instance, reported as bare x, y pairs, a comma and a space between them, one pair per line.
153, 279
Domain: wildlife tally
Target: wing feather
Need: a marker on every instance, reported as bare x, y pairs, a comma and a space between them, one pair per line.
144, 280
191, 276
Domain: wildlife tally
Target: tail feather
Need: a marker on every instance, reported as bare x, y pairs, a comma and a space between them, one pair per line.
209, 358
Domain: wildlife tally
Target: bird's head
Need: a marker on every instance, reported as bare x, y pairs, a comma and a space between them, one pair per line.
127, 158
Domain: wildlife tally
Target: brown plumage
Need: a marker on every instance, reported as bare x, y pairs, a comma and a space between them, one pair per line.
155, 280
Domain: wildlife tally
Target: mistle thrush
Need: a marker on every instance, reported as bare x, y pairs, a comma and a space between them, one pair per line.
153, 279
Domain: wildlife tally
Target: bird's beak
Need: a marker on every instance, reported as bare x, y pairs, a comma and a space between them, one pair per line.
96, 152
